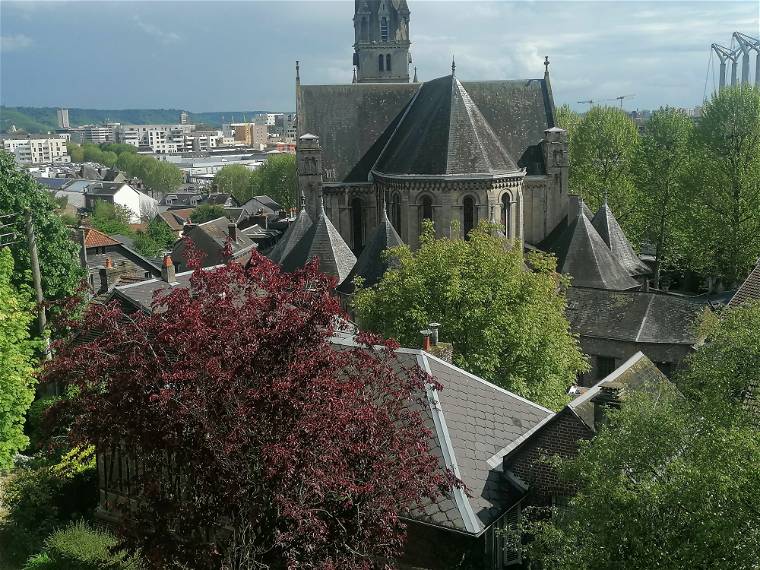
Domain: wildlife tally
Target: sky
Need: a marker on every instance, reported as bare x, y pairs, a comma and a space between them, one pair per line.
226, 56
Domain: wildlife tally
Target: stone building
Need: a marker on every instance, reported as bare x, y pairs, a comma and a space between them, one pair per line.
445, 150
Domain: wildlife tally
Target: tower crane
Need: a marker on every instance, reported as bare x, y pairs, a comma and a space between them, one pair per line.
724, 54
746, 45
621, 97
590, 102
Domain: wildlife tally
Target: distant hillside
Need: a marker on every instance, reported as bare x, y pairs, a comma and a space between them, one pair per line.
43, 119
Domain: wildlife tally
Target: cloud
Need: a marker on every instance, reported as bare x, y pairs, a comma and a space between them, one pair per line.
165, 37
15, 42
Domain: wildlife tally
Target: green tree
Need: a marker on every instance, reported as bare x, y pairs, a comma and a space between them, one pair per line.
660, 165
567, 119
108, 158
157, 238
118, 148
725, 185
92, 153
76, 152
163, 177
506, 323
126, 162
206, 212
235, 179
17, 380
111, 218
278, 179
601, 153
58, 254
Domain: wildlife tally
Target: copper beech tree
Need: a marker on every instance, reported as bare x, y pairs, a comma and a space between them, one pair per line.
256, 442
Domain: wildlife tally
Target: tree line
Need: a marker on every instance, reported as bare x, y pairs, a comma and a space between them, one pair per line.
276, 178
688, 187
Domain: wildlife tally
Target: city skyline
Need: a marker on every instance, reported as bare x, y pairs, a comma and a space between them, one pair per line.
197, 56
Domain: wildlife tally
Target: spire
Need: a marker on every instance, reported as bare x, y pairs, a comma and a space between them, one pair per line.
303, 201
415, 75
546, 65
354, 79
298, 73
453, 66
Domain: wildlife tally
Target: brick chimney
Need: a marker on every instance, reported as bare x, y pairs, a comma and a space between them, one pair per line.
426, 339
610, 396
167, 269
232, 231
109, 263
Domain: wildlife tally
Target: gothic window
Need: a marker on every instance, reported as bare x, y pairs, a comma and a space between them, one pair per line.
426, 208
506, 214
396, 211
470, 215
388, 62
384, 29
357, 224
381, 62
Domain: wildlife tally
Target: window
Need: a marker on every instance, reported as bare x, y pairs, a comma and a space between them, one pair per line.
357, 224
396, 211
504, 541
387, 62
426, 209
384, 30
506, 214
469, 215
381, 62
605, 366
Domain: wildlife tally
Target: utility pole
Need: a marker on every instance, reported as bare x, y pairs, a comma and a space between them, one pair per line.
36, 276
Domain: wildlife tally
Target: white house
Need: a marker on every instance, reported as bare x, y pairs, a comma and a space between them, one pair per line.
141, 206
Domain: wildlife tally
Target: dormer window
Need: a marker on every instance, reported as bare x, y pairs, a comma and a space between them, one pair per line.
384, 29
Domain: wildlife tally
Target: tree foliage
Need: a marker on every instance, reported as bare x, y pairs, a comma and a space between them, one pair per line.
111, 218
278, 179
506, 323
17, 379
661, 163
233, 398
235, 179
58, 254
206, 212
156, 239
725, 184
671, 481
601, 153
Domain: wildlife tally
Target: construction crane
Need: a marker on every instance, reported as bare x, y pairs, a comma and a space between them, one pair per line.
746, 45
724, 54
590, 102
621, 97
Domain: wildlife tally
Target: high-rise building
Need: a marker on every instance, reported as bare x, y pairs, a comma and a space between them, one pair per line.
381, 45
63, 118
183, 118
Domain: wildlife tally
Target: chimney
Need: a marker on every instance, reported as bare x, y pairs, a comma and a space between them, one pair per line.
82, 246
232, 231
434, 333
109, 263
167, 269
103, 272
610, 396
426, 339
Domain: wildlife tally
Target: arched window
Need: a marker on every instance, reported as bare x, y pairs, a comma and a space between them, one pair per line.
506, 214
357, 224
470, 215
381, 62
426, 208
384, 29
387, 62
396, 211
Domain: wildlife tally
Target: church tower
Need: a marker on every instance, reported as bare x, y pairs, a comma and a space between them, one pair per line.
381, 46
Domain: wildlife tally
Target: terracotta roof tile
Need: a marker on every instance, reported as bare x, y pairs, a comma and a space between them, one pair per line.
95, 238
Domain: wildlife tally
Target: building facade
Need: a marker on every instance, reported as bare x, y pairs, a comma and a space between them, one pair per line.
38, 150
381, 41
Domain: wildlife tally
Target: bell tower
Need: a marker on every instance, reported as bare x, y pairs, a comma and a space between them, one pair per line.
381, 41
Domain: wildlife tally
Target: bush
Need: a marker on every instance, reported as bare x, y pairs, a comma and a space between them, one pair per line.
35, 419
81, 547
39, 562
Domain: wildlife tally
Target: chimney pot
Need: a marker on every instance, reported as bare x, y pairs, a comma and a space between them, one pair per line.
426, 339
109, 263
168, 272
434, 332
232, 231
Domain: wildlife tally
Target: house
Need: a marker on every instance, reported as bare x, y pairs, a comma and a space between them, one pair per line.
211, 238
749, 290
221, 199
613, 325
176, 219
140, 205
110, 262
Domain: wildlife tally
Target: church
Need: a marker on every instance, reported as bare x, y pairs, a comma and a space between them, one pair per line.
443, 150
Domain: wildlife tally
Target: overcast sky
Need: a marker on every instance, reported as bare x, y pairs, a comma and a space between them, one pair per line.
223, 56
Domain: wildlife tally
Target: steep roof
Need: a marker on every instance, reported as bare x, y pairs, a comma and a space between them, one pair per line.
294, 234
176, 219
610, 231
355, 121
749, 290
444, 132
370, 265
95, 238
582, 253
322, 241
633, 316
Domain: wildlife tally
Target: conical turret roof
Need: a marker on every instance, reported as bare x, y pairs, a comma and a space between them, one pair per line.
582, 254
291, 237
371, 266
323, 241
443, 132
610, 231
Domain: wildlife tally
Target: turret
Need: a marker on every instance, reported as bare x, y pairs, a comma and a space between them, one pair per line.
309, 161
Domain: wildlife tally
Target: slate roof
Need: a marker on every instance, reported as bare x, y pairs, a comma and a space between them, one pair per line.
324, 242
218, 231
176, 219
140, 295
370, 265
104, 188
294, 234
582, 253
95, 238
749, 290
52, 183
610, 231
633, 316
354, 122
443, 132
